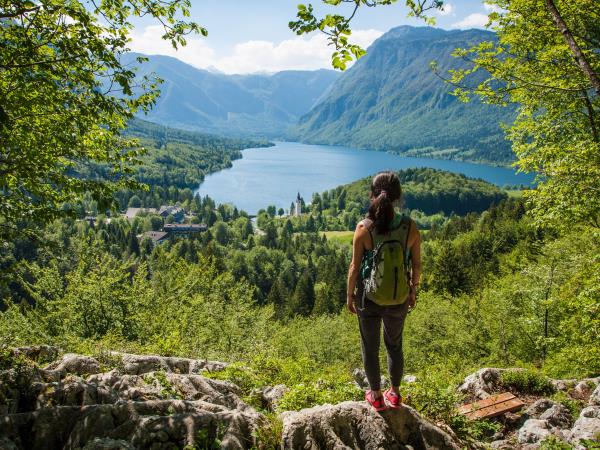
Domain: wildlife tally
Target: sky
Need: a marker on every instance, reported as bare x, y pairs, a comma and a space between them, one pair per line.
249, 36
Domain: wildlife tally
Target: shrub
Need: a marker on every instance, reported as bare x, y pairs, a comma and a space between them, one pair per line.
268, 434
527, 382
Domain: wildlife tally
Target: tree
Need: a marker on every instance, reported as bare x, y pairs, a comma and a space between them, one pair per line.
337, 26
303, 299
60, 74
547, 61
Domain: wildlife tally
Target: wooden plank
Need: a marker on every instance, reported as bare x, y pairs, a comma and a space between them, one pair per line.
496, 410
492, 400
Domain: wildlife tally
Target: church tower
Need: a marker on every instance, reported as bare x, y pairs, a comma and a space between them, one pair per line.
298, 210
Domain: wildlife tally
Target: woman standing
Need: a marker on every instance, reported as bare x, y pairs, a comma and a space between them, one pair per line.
382, 284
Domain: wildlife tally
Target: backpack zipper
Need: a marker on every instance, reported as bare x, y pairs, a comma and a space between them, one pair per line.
395, 281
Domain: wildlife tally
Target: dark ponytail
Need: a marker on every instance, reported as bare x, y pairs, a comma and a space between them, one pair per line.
385, 190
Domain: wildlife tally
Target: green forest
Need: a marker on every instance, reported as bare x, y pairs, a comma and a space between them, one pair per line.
510, 279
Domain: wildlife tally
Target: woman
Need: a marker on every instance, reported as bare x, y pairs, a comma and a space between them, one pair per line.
382, 220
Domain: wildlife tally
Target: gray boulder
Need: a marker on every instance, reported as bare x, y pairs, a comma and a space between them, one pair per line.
558, 416
563, 385
533, 431
140, 364
83, 408
483, 383
107, 444
583, 389
540, 406
594, 399
271, 395
360, 378
77, 364
586, 427
502, 444
39, 353
355, 425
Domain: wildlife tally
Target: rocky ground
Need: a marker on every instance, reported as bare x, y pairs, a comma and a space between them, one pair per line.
124, 401
542, 418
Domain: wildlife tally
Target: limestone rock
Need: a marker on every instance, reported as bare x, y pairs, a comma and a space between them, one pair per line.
590, 412
481, 383
539, 407
39, 353
360, 377
583, 389
587, 426
77, 364
594, 399
355, 425
168, 423
563, 385
558, 416
72, 405
140, 364
271, 395
502, 444
107, 444
533, 431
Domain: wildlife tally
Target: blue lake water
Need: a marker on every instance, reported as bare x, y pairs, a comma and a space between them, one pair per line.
275, 175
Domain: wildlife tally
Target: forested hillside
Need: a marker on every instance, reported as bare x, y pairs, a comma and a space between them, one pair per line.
174, 157
392, 100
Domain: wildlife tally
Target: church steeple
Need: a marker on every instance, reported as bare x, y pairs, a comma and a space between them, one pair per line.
298, 209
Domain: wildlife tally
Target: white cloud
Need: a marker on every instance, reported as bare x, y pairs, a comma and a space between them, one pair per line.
475, 20
300, 53
196, 52
491, 8
446, 10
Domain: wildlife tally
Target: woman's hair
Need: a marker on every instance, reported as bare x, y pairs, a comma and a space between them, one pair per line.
385, 189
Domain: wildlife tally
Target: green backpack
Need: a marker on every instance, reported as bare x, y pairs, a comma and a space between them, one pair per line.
384, 270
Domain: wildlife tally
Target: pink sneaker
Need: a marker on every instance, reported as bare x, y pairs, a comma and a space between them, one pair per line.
377, 403
392, 399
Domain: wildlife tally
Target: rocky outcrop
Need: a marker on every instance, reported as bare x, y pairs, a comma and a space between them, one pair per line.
140, 364
145, 402
356, 425
482, 383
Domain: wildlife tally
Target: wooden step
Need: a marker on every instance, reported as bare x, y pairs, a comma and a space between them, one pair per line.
492, 406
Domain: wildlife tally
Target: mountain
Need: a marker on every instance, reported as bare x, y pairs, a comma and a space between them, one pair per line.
238, 105
392, 100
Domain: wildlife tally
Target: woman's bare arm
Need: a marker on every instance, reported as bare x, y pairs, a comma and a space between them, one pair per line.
415, 273
358, 248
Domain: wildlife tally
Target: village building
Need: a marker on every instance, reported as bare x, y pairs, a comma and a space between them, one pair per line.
184, 228
157, 237
175, 211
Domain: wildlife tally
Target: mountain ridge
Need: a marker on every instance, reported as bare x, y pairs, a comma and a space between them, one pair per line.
391, 100
254, 105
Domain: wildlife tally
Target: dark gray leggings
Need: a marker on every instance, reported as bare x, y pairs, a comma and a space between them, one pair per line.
369, 319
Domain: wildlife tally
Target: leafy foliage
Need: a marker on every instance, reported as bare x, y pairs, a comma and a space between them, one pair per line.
55, 114
535, 63
527, 382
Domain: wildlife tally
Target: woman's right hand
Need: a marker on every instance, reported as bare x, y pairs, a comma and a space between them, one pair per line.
350, 303
412, 298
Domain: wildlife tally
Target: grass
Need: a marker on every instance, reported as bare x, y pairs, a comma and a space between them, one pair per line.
514, 193
342, 237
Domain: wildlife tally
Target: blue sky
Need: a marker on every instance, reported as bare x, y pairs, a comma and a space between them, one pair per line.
252, 36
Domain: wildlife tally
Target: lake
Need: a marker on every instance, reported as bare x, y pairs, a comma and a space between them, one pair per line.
275, 175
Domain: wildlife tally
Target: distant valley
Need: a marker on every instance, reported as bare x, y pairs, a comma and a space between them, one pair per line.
390, 100
234, 105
